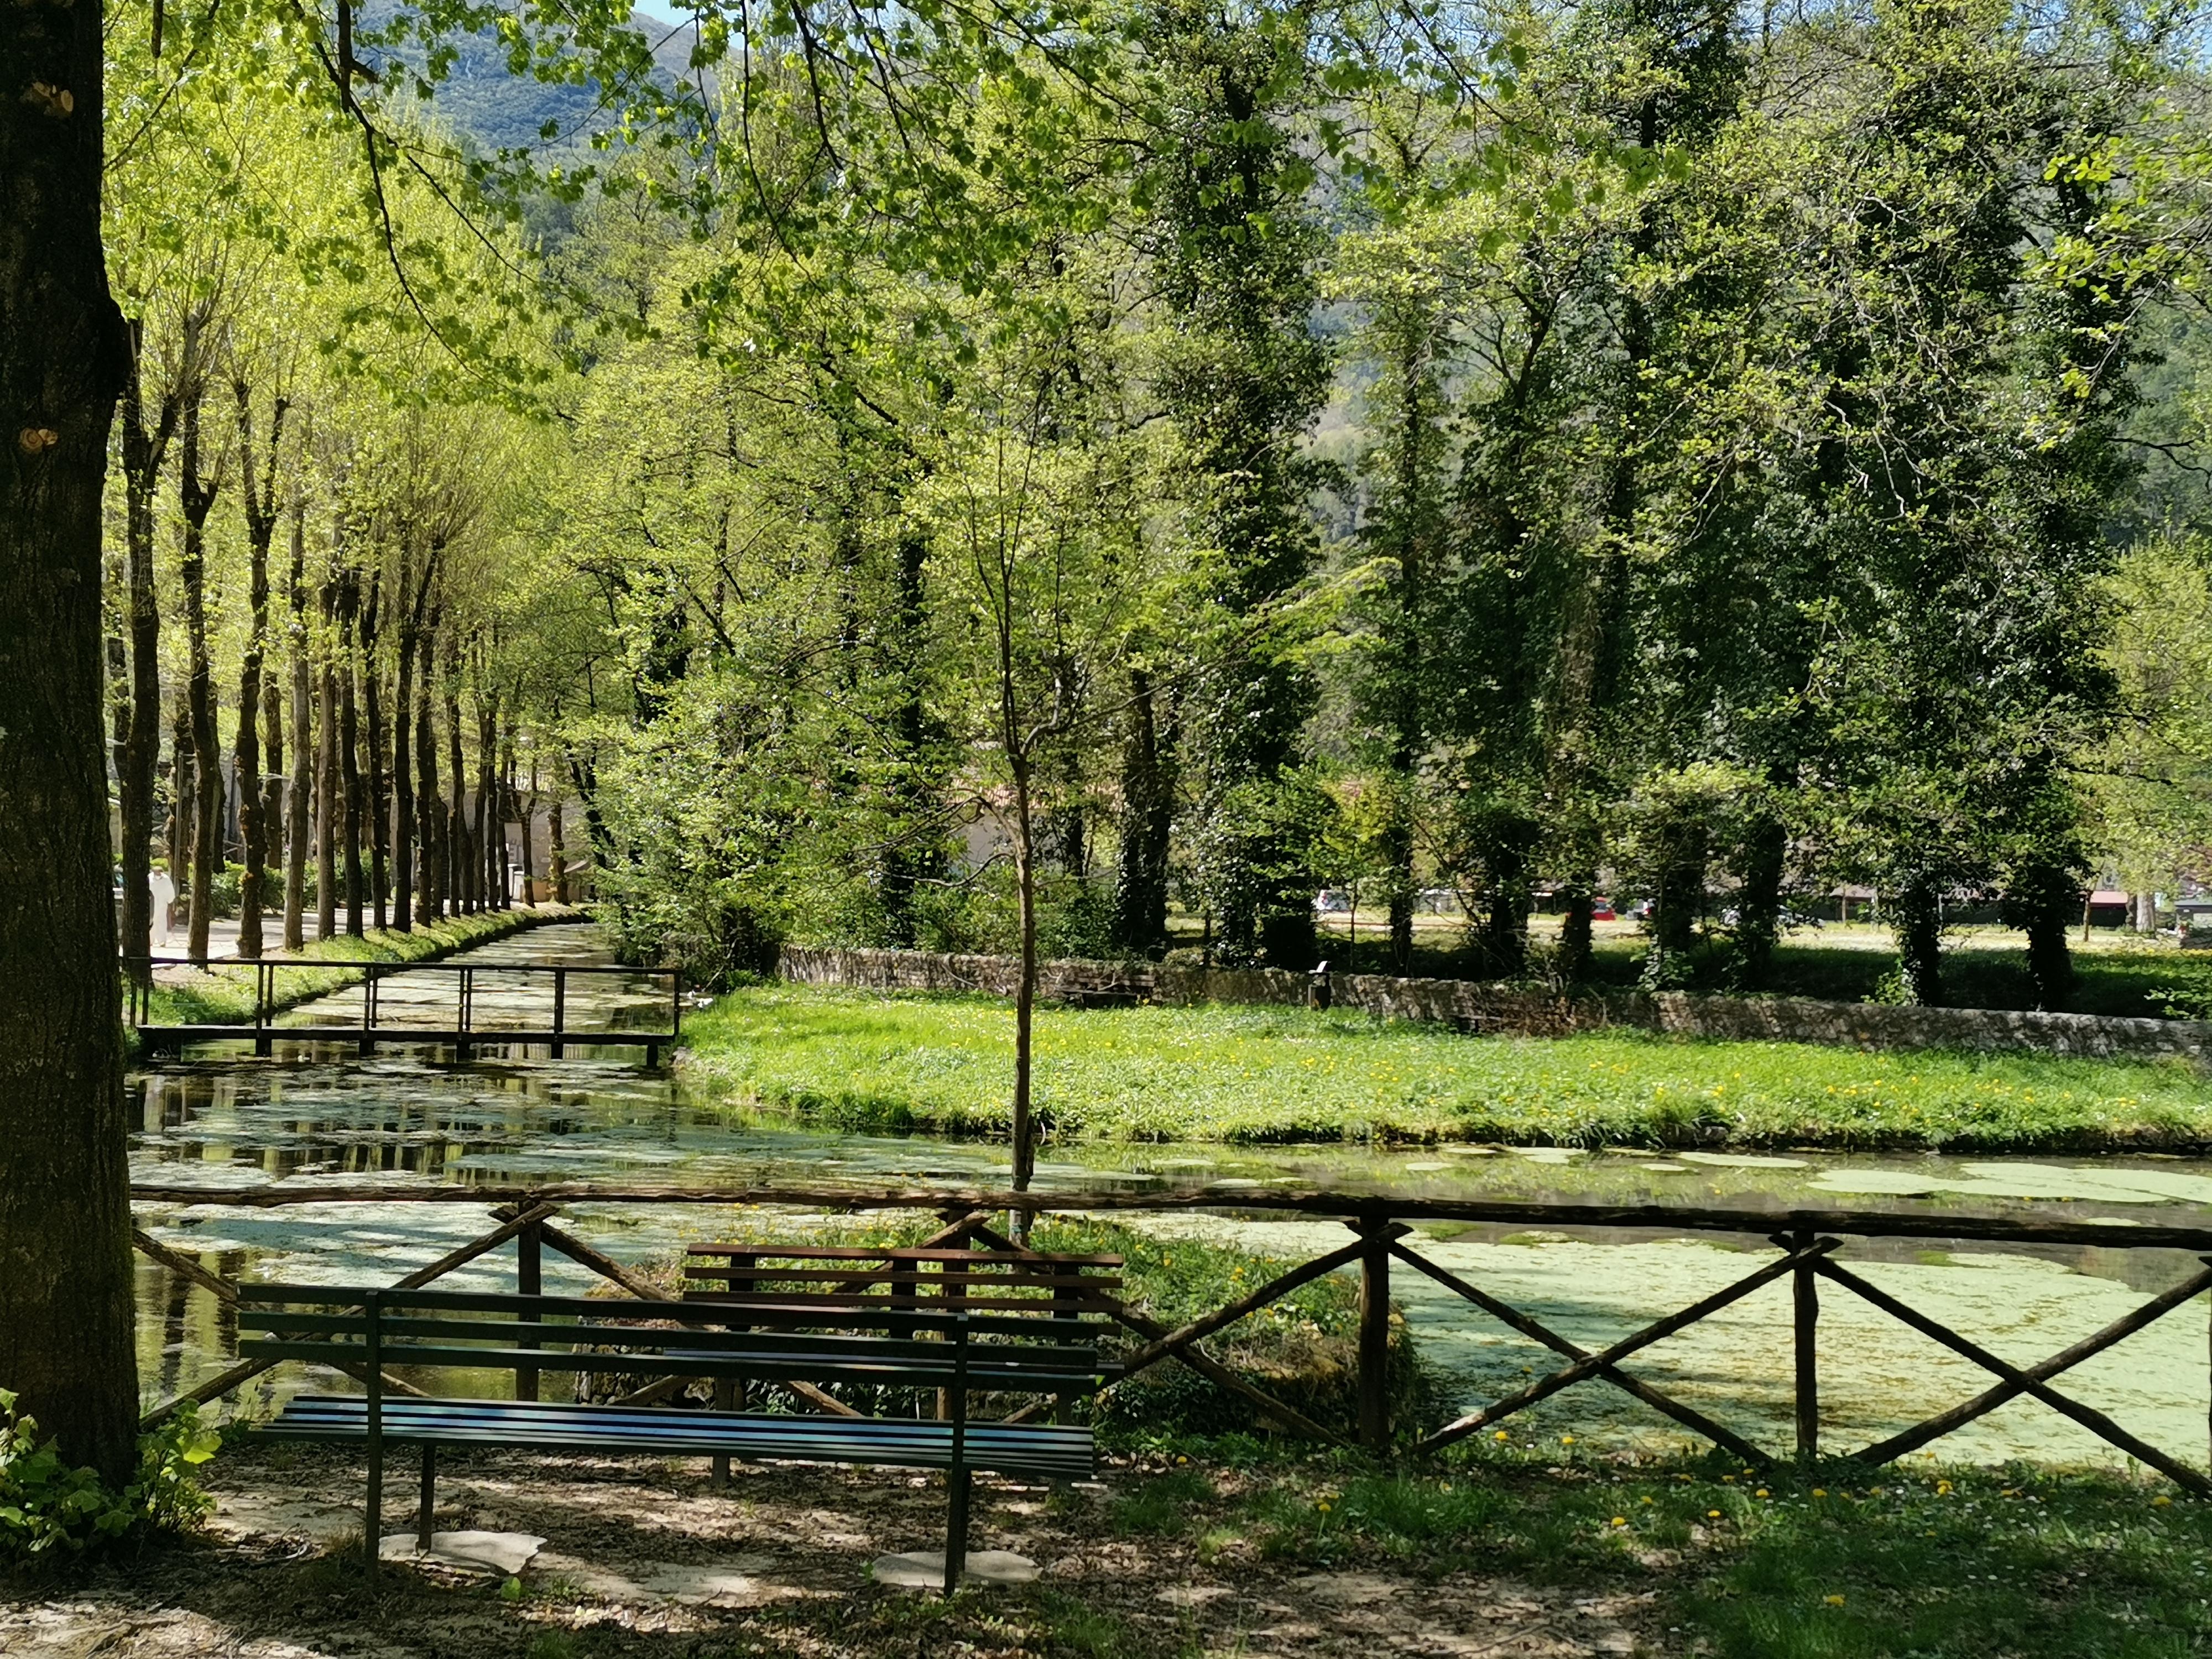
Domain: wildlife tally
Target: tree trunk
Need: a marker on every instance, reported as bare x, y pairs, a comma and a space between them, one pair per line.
402, 760
1916, 914
488, 828
1505, 897
272, 786
65, 1263
180, 836
299, 812
1024, 1146
526, 810
144, 448
429, 811
380, 793
259, 497
328, 791
1575, 931
1759, 902
460, 860
510, 803
556, 848
196, 496
1140, 891
349, 747
2042, 902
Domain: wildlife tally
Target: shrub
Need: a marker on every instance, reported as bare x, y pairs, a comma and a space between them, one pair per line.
48, 1509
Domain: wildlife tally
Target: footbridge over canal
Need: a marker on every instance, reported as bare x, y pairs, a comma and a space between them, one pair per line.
433, 1004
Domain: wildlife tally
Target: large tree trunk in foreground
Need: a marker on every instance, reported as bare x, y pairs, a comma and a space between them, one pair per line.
65, 1266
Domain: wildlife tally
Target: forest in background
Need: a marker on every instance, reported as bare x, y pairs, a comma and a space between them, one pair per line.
978, 488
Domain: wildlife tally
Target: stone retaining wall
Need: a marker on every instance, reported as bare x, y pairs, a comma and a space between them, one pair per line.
1513, 1010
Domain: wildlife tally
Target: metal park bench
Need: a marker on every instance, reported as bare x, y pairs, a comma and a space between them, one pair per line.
806, 1343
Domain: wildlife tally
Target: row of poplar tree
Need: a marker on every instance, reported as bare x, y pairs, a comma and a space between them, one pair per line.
318, 719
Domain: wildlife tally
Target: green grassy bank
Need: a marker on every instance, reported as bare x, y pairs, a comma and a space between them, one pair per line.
223, 992
1831, 1563
864, 1060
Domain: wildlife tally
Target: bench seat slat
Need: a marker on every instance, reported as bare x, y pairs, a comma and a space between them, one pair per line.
704, 1338
891, 1441
266, 1311
952, 1277
354, 1407
888, 1373
705, 1323
892, 1253
883, 1304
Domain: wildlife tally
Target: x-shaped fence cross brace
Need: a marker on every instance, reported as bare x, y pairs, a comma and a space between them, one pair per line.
2029, 1381
1605, 1363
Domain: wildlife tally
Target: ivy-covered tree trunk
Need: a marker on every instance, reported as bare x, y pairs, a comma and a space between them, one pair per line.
1916, 915
1243, 380
1140, 891
65, 1266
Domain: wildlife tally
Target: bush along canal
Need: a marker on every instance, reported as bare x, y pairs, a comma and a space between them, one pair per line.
402, 1125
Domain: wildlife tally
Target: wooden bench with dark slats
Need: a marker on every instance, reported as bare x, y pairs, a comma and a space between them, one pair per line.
958, 1350
864, 1278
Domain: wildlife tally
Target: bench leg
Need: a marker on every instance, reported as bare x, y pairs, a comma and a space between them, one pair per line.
372, 1516
725, 1399
429, 1497
955, 1530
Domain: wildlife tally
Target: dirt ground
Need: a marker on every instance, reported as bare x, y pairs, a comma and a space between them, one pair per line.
645, 1558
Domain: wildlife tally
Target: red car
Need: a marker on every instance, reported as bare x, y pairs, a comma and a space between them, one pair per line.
1601, 910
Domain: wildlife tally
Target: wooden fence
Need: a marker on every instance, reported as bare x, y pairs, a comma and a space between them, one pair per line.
1805, 1242
463, 1035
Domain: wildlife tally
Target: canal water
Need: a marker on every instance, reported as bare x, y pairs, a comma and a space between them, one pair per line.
405, 1119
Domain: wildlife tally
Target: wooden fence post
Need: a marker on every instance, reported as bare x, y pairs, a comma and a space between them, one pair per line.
1806, 1289
1375, 1337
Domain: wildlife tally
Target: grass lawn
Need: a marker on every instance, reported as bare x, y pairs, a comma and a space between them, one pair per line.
1832, 1563
866, 1060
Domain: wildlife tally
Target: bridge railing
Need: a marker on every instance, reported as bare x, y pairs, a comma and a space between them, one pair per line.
1807, 1242
464, 1034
